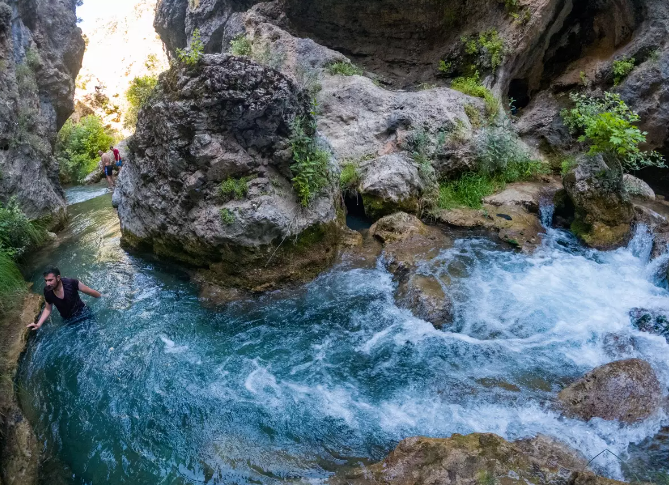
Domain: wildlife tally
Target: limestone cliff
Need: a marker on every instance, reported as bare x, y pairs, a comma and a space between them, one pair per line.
118, 49
41, 49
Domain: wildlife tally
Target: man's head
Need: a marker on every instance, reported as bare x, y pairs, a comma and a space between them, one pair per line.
100, 152
111, 147
51, 278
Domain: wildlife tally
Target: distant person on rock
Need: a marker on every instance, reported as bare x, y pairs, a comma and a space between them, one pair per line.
64, 293
117, 158
107, 167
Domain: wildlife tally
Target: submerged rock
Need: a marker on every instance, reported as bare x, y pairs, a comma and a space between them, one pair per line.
476, 458
625, 390
424, 295
226, 120
650, 321
603, 214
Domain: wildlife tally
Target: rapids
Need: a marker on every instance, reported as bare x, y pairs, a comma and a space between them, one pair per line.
293, 386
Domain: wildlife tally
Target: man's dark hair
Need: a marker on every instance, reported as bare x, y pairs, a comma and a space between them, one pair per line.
111, 147
53, 270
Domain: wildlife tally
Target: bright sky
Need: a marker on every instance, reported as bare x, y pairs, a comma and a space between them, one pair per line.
94, 9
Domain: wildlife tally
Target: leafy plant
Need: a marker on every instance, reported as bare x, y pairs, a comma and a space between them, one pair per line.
78, 144
17, 232
567, 164
487, 49
232, 188
344, 68
138, 94
310, 161
227, 216
606, 124
445, 67
194, 53
12, 284
349, 178
241, 46
473, 87
622, 68
33, 59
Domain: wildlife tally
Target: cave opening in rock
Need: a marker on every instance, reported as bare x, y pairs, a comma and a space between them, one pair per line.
519, 94
356, 218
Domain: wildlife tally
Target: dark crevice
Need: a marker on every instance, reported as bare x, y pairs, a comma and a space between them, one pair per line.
519, 91
356, 218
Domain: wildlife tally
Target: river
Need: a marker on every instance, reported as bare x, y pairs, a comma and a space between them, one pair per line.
290, 387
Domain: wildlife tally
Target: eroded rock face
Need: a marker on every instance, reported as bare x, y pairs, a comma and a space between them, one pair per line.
41, 49
625, 390
476, 458
603, 211
226, 119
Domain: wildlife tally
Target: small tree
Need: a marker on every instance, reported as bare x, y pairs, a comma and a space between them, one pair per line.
77, 147
194, 53
137, 95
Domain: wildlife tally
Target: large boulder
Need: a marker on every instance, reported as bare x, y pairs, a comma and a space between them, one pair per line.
637, 187
389, 184
227, 120
476, 458
424, 295
41, 49
625, 390
603, 213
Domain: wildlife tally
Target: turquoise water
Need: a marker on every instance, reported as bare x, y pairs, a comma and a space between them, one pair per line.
290, 387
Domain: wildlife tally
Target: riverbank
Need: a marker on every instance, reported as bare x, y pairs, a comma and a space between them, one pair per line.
19, 448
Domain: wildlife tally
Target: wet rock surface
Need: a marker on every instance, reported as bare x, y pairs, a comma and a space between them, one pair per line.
651, 321
626, 390
41, 49
476, 458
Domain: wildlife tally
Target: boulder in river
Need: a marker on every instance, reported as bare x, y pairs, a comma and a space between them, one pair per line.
624, 390
651, 321
424, 295
209, 180
477, 458
603, 214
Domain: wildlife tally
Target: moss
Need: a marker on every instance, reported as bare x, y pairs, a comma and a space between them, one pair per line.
344, 68
232, 188
376, 207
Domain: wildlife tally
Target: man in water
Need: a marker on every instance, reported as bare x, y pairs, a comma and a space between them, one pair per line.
107, 167
64, 293
117, 158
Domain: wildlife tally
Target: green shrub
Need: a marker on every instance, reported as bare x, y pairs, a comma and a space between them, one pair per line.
606, 124
232, 188
17, 232
25, 79
266, 55
349, 178
622, 68
241, 46
227, 216
567, 164
500, 159
473, 87
445, 67
138, 94
194, 53
77, 147
486, 49
310, 162
33, 59
344, 68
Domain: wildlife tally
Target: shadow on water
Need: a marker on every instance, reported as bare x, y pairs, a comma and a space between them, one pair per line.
159, 389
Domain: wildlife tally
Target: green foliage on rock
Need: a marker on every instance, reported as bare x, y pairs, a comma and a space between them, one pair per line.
344, 68
607, 125
622, 68
194, 53
138, 94
349, 178
241, 46
77, 147
17, 235
500, 159
310, 161
486, 49
227, 216
473, 87
232, 188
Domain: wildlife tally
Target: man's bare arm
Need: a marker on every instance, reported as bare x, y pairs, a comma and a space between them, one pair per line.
45, 314
89, 291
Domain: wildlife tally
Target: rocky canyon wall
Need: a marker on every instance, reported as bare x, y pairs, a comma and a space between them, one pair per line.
41, 50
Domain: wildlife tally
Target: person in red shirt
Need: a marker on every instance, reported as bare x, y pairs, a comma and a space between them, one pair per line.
117, 158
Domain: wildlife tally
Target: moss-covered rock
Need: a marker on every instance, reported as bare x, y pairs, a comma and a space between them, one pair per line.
602, 212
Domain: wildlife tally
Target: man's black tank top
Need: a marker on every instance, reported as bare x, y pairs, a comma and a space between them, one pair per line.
70, 305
